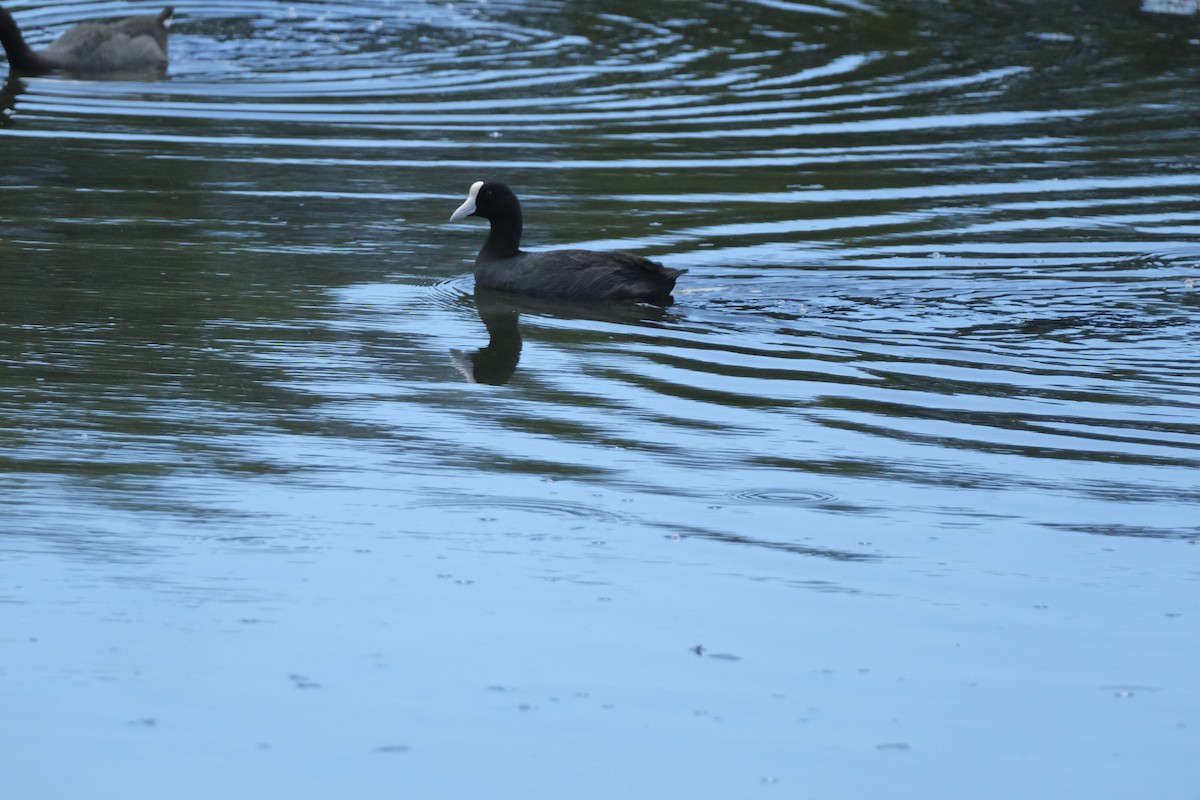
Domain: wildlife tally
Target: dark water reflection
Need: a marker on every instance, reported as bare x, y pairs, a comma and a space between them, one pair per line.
496, 362
933, 364
501, 313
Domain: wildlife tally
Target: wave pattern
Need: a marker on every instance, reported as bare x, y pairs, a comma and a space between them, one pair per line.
919, 276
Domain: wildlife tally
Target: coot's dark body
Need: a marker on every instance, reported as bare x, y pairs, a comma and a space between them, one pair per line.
131, 44
578, 274
572, 274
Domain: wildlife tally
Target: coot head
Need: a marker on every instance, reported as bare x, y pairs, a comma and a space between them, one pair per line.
490, 200
496, 203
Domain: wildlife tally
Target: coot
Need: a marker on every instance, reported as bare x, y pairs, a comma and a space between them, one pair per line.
575, 274
134, 43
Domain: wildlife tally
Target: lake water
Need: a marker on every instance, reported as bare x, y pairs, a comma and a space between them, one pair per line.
899, 498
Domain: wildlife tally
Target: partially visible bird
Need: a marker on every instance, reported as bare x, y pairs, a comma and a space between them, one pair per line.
92, 48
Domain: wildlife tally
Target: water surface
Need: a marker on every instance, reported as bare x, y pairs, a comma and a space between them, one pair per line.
897, 499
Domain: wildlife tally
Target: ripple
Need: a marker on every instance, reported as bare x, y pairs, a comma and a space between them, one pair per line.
783, 496
927, 267
508, 509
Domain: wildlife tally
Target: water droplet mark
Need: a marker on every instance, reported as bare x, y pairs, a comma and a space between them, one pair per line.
784, 496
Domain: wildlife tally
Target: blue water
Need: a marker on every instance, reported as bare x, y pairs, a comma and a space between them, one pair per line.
898, 499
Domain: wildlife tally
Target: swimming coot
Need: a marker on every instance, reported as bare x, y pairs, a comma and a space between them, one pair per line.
134, 43
575, 274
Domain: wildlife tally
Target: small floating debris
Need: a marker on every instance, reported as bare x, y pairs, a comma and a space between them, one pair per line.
1128, 692
702, 650
303, 682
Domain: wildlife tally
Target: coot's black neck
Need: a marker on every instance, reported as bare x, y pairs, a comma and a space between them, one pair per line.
20, 57
504, 239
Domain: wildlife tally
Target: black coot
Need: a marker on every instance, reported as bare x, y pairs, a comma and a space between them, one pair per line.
575, 274
126, 45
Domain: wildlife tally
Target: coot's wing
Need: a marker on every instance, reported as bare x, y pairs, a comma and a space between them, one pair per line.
580, 274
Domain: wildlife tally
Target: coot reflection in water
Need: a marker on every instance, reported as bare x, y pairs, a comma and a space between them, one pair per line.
496, 362
13, 86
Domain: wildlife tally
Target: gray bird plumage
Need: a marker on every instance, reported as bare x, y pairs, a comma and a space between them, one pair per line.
92, 48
